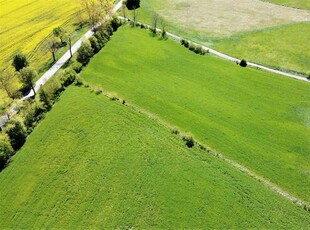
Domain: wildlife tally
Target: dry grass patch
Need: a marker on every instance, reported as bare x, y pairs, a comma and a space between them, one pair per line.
225, 17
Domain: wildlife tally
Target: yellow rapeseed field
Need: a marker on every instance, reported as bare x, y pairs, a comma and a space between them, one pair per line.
24, 24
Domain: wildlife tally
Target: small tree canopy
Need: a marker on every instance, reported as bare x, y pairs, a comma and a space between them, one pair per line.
6, 150
243, 63
27, 76
20, 61
17, 134
85, 52
6, 83
60, 33
133, 4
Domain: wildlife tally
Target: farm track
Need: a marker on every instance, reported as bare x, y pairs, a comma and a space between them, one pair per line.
13, 110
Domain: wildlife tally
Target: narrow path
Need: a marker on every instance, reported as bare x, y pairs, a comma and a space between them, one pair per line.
50, 73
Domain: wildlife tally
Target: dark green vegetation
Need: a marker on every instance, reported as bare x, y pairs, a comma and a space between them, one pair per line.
93, 162
260, 120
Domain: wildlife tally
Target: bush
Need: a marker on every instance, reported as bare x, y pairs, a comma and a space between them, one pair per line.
78, 81
33, 112
163, 34
198, 50
192, 47
109, 28
94, 44
102, 32
85, 52
51, 89
68, 77
184, 43
98, 91
17, 134
189, 141
115, 23
175, 131
308, 75
45, 99
6, 150
102, 39
243, 63
77, 67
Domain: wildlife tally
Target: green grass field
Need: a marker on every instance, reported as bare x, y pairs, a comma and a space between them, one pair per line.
94, 163
260, 120
274, 41
302, 4
289, 52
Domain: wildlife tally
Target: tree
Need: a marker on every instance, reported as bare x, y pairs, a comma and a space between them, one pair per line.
6, 150
60, 33
155, 19
17, 134
243, 63
94, 44
70, 45
94, 11
20, 61
85, 52
97, 10
133, 5
163, 27
106, 7
67, 38
51, 46
135, 15
27, 76
6, 83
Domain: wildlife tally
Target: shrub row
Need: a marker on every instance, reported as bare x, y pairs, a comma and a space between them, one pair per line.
95, 43
194, 48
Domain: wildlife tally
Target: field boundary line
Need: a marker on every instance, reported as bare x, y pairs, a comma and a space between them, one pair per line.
272, 186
